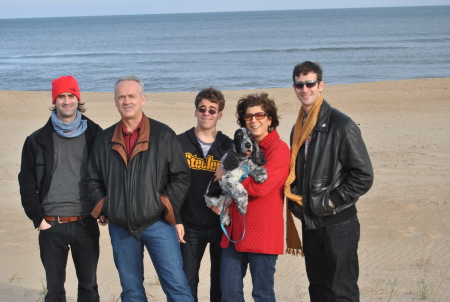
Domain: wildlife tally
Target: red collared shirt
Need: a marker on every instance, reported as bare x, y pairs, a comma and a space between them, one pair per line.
131, 138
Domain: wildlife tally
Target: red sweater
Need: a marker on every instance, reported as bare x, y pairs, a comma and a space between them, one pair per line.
265, 224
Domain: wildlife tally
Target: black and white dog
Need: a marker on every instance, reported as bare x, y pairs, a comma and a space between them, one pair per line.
243, 159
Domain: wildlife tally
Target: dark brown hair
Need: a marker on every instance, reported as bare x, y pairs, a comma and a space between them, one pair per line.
211, 94
306, 68
252, 100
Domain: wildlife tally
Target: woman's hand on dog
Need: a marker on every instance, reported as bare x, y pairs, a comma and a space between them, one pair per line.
180, 232
219, 173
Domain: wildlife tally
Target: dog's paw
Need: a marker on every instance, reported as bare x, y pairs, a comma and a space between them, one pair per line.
226, 220
259, 174
242, 206
213, 201
261, 178
221, 203
242, 210
208, 201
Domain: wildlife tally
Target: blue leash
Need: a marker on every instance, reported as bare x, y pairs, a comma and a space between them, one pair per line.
225, 230
244, 176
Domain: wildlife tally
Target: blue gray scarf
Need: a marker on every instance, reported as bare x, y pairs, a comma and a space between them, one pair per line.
74, 129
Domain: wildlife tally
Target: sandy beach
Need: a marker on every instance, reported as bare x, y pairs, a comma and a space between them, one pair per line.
404, 249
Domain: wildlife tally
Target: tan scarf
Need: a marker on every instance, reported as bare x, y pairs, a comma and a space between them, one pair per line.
301, 133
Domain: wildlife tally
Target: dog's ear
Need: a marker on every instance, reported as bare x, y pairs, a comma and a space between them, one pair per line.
233, 147
238, 135
257, 156
231, 160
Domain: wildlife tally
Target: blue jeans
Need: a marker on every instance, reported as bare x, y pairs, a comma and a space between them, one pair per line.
233, 269
331, 260
54, 243
193, 251
161, 242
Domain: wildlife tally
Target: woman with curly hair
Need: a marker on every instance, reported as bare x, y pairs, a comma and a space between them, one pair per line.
263, 224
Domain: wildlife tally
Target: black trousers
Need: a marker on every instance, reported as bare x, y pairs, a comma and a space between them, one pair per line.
83, 238
331, 260
192, 252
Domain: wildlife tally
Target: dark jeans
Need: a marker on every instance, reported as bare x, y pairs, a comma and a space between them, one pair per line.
331, 260
83, 238
192, 252
234, 268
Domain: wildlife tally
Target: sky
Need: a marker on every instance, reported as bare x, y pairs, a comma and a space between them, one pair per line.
70, 8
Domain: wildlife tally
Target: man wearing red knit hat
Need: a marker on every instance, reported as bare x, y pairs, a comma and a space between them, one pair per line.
54, 164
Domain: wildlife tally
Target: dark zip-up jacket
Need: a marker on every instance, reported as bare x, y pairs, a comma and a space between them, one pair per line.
337, 168
35, 174
194, 213
133, 187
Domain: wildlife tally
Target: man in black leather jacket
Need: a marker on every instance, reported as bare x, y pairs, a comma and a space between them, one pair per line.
332, 170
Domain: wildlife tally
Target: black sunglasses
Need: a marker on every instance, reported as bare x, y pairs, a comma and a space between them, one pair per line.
309, 84
257, 115
210, 111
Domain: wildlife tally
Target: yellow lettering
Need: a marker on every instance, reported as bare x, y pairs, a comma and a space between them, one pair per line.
198, 163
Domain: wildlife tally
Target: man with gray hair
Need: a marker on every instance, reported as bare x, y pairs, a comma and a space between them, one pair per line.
139, 178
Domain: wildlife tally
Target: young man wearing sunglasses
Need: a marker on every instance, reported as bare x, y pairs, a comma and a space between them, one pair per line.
330, 170
203, 147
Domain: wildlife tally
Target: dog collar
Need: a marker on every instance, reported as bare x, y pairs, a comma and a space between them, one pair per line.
247, 171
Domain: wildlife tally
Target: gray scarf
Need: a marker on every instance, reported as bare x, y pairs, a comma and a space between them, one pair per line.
74, 129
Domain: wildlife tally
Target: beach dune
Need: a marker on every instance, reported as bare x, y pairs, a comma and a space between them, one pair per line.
404, 249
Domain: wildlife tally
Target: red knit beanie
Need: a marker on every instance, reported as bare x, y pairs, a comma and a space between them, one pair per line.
65, 84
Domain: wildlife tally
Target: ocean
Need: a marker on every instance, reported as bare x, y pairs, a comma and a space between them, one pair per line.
230, 50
